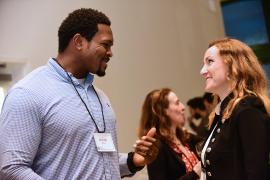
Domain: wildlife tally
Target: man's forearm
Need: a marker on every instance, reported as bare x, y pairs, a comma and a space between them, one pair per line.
18, 172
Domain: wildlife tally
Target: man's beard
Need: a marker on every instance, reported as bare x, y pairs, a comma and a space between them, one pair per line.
100, 72
197, 116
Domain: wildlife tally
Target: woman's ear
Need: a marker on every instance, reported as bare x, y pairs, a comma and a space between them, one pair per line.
228, 76
166, 111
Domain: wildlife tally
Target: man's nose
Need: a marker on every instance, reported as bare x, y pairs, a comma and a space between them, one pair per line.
110, 53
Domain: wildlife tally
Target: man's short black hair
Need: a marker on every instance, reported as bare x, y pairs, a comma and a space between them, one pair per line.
196, 102
83, 21
208, 97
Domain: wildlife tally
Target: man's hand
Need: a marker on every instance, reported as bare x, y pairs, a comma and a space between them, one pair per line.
146, 149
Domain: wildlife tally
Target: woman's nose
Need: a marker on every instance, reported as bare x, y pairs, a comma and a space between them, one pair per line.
203, 70
182, 108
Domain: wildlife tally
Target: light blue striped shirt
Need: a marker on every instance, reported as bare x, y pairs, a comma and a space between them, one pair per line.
47, 133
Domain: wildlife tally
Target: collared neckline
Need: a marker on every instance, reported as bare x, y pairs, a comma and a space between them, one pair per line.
61, 72
225, 102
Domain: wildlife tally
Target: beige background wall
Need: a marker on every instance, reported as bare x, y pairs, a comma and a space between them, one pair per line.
158, 43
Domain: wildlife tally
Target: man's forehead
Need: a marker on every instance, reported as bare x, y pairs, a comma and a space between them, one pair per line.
105, 31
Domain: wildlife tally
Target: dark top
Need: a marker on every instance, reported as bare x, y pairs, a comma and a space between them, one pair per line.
202, 129
239, 148
169, 166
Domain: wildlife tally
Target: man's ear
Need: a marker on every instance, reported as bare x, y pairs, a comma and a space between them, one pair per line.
78, 41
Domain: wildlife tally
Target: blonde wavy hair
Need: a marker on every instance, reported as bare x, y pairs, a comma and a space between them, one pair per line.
246, 74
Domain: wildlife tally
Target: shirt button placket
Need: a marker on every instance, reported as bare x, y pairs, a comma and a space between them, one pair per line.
107, 167
107, 172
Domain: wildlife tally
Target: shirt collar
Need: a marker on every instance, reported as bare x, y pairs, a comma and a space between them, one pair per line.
62, 73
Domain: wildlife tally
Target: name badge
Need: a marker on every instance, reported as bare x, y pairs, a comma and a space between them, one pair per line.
104, 142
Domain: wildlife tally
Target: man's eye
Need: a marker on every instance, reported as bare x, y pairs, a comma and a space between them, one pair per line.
105, 45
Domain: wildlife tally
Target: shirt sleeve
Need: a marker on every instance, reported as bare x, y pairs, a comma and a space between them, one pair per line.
20, 136
254, 139
124, 170
127, 167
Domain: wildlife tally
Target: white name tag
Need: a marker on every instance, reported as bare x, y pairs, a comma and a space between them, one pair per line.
104, 142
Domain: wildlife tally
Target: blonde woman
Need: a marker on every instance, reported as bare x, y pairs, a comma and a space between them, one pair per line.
238, 145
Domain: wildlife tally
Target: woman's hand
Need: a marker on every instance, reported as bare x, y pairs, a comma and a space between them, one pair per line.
197, 168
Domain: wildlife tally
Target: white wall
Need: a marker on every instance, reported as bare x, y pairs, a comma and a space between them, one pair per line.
158, 43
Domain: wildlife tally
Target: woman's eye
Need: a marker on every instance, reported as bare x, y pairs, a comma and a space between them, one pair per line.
210, 61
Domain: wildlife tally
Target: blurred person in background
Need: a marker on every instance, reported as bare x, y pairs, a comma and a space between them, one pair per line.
209, 101
176, 158
198, 112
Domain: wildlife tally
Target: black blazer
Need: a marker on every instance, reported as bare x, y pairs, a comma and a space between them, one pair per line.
239, 148
168, 166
